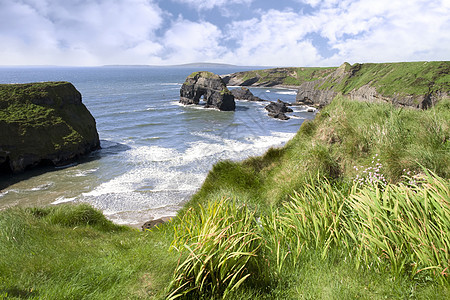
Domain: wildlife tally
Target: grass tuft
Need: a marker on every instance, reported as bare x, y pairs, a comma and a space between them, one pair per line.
222, 247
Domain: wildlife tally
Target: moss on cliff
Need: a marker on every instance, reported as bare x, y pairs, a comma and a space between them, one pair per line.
404, 78
413, 78
44, 121
283, 76
203, 74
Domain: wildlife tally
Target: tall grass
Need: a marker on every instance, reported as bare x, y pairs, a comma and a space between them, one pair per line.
404, 228
222, 246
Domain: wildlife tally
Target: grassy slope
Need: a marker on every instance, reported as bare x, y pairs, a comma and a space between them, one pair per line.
345, 134
286, 76
412, 78
73, 252
52, 253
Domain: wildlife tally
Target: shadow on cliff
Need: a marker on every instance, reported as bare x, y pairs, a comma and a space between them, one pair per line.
108, 148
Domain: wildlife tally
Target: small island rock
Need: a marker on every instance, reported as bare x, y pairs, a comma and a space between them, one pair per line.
278, 110
211, 87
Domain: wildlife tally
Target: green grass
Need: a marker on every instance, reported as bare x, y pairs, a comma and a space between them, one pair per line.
413, 78
222, 243
389, 79
285, 76
306, 221
73, 252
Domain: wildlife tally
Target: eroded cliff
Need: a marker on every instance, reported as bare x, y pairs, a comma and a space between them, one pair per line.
411, 84
43, 123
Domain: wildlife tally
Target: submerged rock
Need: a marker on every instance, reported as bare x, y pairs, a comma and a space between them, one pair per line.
43, 123
243, 93
278, 110
211, 87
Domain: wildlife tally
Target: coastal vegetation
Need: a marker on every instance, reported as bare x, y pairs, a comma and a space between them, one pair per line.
412, 78
283, 76
356, 205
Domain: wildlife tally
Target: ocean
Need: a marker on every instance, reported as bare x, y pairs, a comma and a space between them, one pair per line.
155, 152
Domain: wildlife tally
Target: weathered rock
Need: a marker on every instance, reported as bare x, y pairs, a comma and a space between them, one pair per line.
314, 93
43, 123
152, 223
320, 92
211, 87
243, 93
278, 110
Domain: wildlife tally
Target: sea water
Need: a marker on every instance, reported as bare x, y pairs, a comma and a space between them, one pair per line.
155, 152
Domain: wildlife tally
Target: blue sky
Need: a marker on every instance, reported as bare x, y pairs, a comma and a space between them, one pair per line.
242, 32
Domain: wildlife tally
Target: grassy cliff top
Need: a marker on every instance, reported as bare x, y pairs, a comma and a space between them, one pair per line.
204, 74
34, 103
284, 76
25, 91
413, 78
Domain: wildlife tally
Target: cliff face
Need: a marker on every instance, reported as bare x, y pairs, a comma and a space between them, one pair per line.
43, 123
211, 87
419, 85
277, 77
412, 84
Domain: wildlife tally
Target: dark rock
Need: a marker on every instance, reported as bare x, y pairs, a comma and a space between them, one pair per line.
278, 110
43, 123
211, 87
152, 223
243, 93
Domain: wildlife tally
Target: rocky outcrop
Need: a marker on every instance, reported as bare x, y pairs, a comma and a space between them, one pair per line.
43, 123
318, 92
368, 93
153, 223
209, 85
243, 93
278, 110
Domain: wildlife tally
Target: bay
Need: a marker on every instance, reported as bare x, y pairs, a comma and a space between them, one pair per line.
155, 152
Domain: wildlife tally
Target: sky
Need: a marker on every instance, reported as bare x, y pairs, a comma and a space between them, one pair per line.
241, 32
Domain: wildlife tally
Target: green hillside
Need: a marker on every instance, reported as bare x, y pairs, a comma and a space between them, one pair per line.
356, 205
412, 78
389, 79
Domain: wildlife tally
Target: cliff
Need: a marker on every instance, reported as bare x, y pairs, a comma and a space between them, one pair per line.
211, 87
277, 77
43, 123
412, 84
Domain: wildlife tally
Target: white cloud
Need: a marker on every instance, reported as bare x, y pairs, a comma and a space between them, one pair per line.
188, 41
388, 30
82, 32
276, 38
209, 4
87, 32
